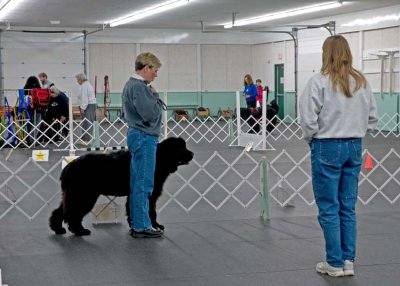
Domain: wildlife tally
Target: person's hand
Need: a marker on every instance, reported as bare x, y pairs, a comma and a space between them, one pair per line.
63, 119
152, 89
247, 96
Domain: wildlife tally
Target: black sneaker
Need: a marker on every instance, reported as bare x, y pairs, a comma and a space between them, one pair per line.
148, 233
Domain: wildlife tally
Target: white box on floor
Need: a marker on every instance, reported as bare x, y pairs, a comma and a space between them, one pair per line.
108, 210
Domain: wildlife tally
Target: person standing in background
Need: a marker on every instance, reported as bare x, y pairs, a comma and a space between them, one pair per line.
336, 110
35, 114
44, 81
142, 109
87, 106
259, 93
250, 91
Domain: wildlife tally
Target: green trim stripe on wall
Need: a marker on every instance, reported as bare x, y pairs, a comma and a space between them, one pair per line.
388, 106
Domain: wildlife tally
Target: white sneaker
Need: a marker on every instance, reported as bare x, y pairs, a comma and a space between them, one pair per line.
348, 268
325, 268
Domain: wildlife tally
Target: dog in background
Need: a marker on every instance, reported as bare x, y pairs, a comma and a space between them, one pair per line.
86, 178
254, 123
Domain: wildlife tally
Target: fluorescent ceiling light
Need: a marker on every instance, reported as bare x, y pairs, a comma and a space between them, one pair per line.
168, 5
4, 3
6, 6
372, 21
285, 14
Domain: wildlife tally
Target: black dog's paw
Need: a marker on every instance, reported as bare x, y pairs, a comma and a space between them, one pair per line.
160, 226
60, 231
80, 232
57, 229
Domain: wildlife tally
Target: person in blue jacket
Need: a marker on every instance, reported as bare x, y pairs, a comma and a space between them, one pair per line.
250, 91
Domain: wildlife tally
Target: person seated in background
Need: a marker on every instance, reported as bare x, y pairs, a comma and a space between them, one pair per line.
58, 109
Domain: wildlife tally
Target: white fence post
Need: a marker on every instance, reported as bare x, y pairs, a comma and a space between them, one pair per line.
1, 281
71, 126
264, 120
238, 114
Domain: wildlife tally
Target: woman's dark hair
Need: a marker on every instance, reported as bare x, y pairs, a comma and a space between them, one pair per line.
32, 82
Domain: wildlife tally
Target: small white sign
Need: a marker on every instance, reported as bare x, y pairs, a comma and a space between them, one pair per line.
40, 155
248, 146
66, 160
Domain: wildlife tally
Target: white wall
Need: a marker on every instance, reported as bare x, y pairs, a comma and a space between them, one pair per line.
193, 60
24, 55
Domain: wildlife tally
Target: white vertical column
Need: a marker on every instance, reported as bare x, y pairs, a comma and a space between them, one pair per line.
361, 48
71, 127
138, 48
199, 78
238, 113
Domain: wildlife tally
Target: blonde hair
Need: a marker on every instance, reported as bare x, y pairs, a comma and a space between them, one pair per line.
81, 77
250, 80
337, 63
146, 59
55, 90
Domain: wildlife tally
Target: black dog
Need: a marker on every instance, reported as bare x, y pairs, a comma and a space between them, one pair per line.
92, 175
254, 123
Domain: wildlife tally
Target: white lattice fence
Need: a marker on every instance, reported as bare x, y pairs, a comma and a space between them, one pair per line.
28, 189
16, 134
290, 179
31, 186
217, 174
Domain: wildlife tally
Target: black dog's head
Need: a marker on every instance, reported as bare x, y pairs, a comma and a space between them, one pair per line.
275, 105
173, 153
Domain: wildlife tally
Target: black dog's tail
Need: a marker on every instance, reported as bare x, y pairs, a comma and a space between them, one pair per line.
57, 216
56, 219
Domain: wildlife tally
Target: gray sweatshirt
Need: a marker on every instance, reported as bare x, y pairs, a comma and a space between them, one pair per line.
141, 108
324, 113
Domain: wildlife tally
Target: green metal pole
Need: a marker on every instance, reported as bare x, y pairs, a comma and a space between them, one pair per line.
264, 188
96, 134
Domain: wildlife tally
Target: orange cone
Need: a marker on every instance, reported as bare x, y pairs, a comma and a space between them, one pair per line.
369, 164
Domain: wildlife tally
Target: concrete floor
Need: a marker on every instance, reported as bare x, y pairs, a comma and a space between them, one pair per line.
231, 246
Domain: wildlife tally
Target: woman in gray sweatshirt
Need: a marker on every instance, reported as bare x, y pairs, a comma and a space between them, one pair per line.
142, 109
336, 110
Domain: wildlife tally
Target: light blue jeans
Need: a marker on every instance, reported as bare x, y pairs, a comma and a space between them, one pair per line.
143, 148
336, 165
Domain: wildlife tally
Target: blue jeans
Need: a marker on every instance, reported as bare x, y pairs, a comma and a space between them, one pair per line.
336, 165
143, 149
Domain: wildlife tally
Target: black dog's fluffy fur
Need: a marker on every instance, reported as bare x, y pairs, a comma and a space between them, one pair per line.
272, 112
92, 175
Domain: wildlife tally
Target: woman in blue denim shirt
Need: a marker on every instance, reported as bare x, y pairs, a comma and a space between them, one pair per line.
336, 110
